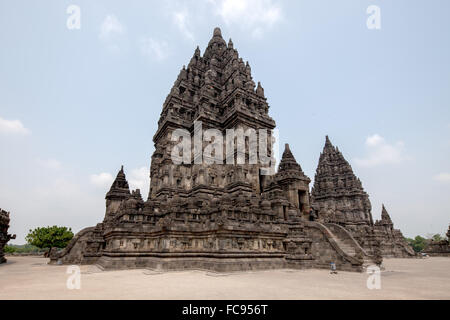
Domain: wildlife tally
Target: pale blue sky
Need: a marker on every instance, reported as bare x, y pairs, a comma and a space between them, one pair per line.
76, 104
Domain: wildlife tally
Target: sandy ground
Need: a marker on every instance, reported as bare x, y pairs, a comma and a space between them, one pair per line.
32, 278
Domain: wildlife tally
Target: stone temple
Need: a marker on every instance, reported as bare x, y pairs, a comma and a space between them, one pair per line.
439, 248
4, 236
339, 199
206, 215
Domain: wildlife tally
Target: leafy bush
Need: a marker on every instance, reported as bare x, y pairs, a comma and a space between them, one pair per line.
9, 249
26, 248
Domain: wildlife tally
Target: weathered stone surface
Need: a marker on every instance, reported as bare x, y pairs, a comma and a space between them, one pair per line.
208, 215
439, 248
4, 236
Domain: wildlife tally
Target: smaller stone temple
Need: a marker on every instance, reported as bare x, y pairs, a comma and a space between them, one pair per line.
439, 248
392, 242
4, 236
340, 200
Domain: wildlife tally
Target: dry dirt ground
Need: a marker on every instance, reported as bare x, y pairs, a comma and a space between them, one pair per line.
32, 278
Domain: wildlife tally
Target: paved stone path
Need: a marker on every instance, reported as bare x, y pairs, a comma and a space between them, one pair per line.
32, 278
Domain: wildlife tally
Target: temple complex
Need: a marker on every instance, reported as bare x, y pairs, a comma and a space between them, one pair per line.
204, 214
4, 236
439, 248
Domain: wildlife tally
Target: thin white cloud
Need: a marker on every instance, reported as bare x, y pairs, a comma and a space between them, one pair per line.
379, 152
253, 15
157, 50
442, 177
51, 164
13, 127
181, 20
373, 141
101, 180
110, 27
140, 179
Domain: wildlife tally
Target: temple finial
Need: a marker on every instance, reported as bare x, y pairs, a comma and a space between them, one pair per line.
216, 44
217, 32
328, 144
260, 90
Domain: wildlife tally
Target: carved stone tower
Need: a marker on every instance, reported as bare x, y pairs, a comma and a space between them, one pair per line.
118, 192
293, 181
338, 194
215, 91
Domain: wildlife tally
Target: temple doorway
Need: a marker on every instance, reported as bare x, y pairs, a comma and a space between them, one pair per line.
301, 199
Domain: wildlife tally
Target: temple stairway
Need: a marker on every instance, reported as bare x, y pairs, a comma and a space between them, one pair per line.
347, 248
347, 243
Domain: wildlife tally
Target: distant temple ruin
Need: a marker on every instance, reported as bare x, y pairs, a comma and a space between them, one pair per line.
439, 248
205, 215
392, 242
4, 236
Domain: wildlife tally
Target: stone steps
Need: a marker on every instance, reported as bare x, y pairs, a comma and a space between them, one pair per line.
347, 248
350, 248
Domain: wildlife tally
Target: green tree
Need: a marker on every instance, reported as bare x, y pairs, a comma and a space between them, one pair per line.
418, 243
437, 238
49, 237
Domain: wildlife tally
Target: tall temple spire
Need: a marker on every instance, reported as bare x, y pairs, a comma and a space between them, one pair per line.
212, 85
